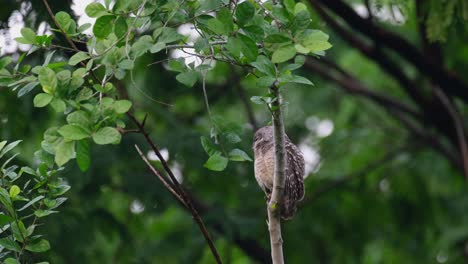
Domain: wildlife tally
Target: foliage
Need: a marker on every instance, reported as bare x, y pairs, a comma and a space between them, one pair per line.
411, 207
24, 207
84, 88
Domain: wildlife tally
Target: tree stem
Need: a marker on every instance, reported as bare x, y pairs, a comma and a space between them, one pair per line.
276, 200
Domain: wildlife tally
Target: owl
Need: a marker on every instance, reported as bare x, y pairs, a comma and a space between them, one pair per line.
264, 151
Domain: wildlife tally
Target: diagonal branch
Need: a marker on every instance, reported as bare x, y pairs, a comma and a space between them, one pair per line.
433, 110
458, 123
178, 188
451, 83
160, 177
49, 10
352, 85
398, 110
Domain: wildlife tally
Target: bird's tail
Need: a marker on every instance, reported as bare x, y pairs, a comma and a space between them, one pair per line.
288, 209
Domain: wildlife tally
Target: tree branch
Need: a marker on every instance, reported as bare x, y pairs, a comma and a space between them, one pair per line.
451, 83
276, 199
458, 123
180, 191
160, 177
352, 85
398, 110
433, 110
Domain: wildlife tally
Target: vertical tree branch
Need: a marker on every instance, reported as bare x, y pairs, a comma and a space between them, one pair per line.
274, 205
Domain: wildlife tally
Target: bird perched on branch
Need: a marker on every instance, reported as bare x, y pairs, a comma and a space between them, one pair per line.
264, 150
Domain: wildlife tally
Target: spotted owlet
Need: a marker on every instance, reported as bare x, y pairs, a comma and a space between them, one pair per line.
264, 150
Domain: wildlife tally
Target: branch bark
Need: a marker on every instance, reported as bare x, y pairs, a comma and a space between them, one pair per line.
178, 188
276, 199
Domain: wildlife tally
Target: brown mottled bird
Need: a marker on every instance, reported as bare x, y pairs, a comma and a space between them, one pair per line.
264, 150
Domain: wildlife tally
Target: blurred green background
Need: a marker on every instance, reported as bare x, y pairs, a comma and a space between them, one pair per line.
378, 190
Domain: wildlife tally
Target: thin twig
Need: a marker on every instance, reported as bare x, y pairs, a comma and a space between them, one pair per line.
160, 177
458, 124
49, 10
178, 188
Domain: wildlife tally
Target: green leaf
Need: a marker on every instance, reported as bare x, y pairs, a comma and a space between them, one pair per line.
299, 8
216, 162
58, 105
48, 80
11, 261
169, 35
27, 88
283, 54
265, 81
19, 231
29, 35
238, 155
255, 32
120, 27
41, 213
264, 65
74, 132
66, 22
177, 65
41, 245
5, 61
208, 146
83, 158
4, 149
9, 244
95, 10
313, 40
126, 64
84, 27
187, 78
234, 46
64, 152
244, 12
33, 201
78, 57
80, 118
142, 45
289, 5
122, 106
157, 47
294, 79
249, 48
217, 26
224, 15
278, 38
42, 100
14, 191
5, 219
107, 135
103, 26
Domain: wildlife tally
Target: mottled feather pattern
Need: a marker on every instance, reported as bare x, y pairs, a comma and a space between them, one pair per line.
264, 169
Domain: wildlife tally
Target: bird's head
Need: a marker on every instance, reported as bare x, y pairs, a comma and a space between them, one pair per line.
263, 136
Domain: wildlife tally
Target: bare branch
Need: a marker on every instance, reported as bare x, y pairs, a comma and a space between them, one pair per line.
398, 110
160, 177
178, 188
458, 123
